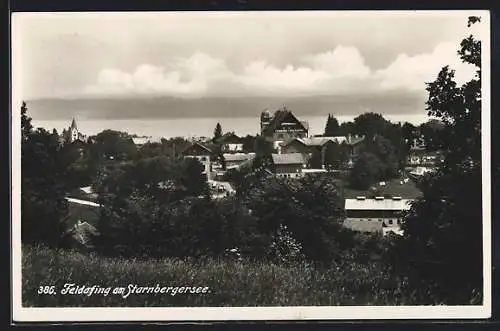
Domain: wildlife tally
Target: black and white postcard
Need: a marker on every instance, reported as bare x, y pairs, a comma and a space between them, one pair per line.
291, 165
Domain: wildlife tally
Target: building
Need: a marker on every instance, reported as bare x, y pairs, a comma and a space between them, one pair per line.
387, 213
415, 155
308, 146
234, 160
419, 156
282, 126
141, 141
72, 134
289, 165
230, 143
203, 154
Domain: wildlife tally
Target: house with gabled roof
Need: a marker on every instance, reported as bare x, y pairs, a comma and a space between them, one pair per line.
289, 165
376, 214
230, 142
282, 126
308, 146
203, 154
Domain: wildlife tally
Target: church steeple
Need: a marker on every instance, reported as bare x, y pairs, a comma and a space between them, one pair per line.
73, 131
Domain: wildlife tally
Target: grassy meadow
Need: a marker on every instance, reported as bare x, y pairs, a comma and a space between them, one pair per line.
230, 283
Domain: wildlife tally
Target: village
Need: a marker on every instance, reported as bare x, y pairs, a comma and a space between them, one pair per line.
377, 210
320, 161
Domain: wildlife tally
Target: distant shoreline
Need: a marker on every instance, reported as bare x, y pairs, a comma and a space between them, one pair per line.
197, 127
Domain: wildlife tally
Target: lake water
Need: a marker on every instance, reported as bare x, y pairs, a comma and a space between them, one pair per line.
196, 127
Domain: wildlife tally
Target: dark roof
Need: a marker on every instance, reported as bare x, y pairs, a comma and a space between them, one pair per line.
196, 145
229, 137
279, 116
404, 188
73, 124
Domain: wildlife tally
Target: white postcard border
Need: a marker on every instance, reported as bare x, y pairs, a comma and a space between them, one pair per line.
105, 314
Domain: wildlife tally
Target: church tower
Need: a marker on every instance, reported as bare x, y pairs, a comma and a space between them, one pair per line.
265, 119
73, 131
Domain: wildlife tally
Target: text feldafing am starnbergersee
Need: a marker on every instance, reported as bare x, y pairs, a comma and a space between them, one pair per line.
74, 289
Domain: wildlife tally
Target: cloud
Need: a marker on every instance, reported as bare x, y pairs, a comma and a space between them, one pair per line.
341, 70
412, 72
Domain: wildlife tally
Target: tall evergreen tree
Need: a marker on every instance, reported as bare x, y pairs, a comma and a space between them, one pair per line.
332, 127
217, 132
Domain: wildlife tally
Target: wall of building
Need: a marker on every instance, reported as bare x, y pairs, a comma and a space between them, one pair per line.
232, 147
294, 147
392, 222
288, 134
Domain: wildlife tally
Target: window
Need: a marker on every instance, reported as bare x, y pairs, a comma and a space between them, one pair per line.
380, 220
390, 221
369, 219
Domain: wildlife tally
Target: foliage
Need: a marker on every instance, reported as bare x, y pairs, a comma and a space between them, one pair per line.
347, 128
285, 249
217, 132
432, 134
386, 153
336, 155
44, 170
310, 208
332, 127
369, 124
248, 144
230, 283
111, 145
174, 146
442, 247
316, 159
262, 147
367, 170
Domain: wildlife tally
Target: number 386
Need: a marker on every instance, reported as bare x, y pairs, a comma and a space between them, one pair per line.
46, 290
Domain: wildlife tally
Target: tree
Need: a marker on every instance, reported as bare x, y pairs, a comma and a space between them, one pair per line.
43, 188
248, 144
367, 170
332, 127
384, 150
141, 198
370, 124
311, 210
217, 133
431, 134
441, 251
174, 146
263, 150
347, 128
315, 161
110, 144
336, 155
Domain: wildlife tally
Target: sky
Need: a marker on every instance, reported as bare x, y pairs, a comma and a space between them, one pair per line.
241, 54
